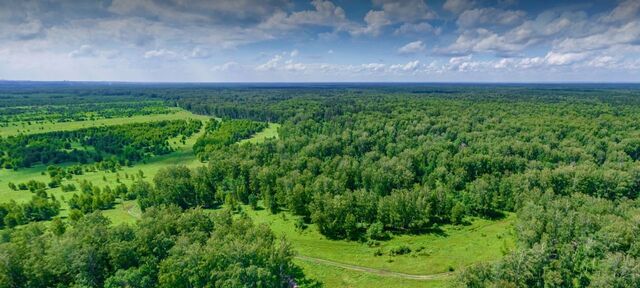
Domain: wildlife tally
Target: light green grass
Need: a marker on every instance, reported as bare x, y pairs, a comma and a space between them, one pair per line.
271, 132
23, 127
454, 247
182, 155
333, 277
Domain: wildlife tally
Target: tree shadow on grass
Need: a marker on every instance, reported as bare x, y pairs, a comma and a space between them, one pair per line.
298, 279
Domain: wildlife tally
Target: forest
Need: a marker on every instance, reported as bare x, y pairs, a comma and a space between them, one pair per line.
361, 163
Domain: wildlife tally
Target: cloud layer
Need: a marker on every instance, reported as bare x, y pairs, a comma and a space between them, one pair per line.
320, 40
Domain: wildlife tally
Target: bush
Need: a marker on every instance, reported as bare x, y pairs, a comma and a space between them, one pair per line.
400, 250
376, 232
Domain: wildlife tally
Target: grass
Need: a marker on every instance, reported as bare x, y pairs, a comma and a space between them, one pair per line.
337, 277
271, 132
23, 127
182, 155
453, 247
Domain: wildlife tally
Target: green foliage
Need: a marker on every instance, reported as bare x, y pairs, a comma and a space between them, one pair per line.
166, 249
40, 208
220, 134
92, 198
111, 146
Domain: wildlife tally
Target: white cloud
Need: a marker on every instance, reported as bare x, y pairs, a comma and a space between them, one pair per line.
628, 34
199, 53
88, 51
554, 58
162, 54
626, 10
406, 10
458, 6
228, 66
412, 48
271, 64
374, 67
408, 67
490, 16
481, 41
417, 28
83, 51
376, 20
326, 13
294, 53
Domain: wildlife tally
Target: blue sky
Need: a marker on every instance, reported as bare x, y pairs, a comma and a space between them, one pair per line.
320, 40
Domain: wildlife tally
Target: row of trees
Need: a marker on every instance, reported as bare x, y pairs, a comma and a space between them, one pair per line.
39, 113
40, 208
120, 144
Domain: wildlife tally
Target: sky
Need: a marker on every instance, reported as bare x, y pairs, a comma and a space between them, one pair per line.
320, 40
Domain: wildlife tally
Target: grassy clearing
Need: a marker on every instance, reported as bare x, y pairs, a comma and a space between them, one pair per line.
183, 155
23, 127
271, 132
337, 277
453, 247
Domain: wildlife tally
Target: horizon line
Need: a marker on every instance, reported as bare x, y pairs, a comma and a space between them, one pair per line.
313, 82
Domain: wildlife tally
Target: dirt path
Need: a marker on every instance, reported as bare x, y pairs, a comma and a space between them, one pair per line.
378, 272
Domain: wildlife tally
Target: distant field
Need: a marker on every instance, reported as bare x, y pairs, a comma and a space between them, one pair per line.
270, 132
183, 155
23, 127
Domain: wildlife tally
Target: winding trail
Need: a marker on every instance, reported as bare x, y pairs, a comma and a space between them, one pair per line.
379, 272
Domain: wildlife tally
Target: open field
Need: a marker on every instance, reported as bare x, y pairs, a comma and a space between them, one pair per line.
452, 247
338, 277
23, 127
183, 155
270, 132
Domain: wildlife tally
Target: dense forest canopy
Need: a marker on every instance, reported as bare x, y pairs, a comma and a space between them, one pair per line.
364, 163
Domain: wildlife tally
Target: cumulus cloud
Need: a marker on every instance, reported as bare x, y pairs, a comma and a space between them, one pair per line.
408, 67
272, 64
88, 51
83, 51
626, 10
236, 11
326, 13
628, 33
162, 54
227, 66
458, 6
490, 16
412, 48
417, 28
406, 10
